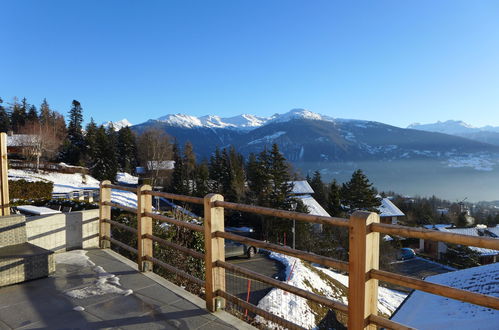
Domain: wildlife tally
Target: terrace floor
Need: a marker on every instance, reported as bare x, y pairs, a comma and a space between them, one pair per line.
82, 295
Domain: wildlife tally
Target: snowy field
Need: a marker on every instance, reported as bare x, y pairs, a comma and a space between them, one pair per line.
318, 280
65, 183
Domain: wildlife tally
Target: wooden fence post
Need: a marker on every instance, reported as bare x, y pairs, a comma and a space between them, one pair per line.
214, 250
104, 214
4, 176
364, 256
144, 226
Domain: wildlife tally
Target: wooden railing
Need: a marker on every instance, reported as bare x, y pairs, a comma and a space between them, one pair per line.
364, 234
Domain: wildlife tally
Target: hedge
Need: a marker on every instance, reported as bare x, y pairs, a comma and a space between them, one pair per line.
22, 189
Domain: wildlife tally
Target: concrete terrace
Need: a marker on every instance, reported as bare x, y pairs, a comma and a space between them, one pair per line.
154, 304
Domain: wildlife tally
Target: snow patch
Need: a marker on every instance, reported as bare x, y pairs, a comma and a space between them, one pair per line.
267, 138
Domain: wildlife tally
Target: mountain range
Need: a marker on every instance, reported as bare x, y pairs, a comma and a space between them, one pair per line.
305, 136
487, 134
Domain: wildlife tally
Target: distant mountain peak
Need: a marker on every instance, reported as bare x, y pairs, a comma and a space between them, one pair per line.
449, 127
117, 125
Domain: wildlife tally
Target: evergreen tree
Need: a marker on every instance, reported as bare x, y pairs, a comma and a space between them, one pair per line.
178, 183
32, 116
319, 188
4, 119
91, 143
74, 145
189, 161
127, 150
216, 169
105, 164
237, 176
280, 179
202, 186
334, 200
358, 194
18, 115
45, 113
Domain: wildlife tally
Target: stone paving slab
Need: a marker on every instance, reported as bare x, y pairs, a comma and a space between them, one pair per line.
154, 304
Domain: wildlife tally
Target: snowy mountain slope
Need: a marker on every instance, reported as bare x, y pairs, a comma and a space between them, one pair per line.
486, 134
305, 136
318, 280
117, 125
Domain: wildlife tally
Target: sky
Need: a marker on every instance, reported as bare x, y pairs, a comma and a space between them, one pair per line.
397, 62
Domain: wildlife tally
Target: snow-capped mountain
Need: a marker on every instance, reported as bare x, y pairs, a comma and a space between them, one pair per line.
487, 134
305, 136
117, 125
245, 121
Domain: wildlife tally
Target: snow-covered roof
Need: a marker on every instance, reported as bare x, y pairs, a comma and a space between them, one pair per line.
301, 187
427, 311
313, 206
21, 140
388, 209
160, 165
476, 231
437, 226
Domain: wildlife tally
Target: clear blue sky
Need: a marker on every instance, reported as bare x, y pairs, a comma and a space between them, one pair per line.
396, 62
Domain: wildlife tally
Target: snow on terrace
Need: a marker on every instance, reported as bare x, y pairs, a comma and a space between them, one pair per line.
65, 183
318, 280
427, 311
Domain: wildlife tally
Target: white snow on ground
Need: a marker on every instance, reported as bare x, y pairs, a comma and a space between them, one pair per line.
267, 138
104, 283
65, 183
318, 280
123, 177
426, 311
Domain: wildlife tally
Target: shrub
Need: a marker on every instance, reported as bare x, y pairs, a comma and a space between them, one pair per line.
22, 189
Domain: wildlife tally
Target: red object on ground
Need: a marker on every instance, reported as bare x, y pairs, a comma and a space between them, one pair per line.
291, 272
247, 297
284, 238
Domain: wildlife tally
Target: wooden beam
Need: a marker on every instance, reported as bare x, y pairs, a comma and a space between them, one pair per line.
214, 251
144, 224
4, 176
104, 214
364, 256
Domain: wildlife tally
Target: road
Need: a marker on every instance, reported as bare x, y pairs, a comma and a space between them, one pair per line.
238, 284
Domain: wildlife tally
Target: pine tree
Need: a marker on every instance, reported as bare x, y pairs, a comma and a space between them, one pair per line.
4, 119
334, 200
178, 183
91, 143
32, 116
127, 150
319, 188
280, 178
105, 164
216, 171
358, 194
237, 175
74, 145
45, 113
189, 161
202, 181
18, 115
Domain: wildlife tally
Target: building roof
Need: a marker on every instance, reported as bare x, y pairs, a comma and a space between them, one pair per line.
153, 165
301, 187
388, 209
426, 311
21, 140
480, 231
313, 206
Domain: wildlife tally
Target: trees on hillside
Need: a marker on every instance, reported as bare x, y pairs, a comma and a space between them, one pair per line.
74, 144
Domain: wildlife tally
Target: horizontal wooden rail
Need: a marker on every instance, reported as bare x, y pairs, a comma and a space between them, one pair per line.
387, 324
312, 257
283, 214
120, 225
254, 309
188, 199
434, 235
113, 186
121, 245
119, 206
437, 289
173, 221
283, 286
166, 243
174, 270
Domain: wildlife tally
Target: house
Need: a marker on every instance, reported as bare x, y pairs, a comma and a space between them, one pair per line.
303, 192
388, 212
22, 144
156, 172
436, 249
423, 310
